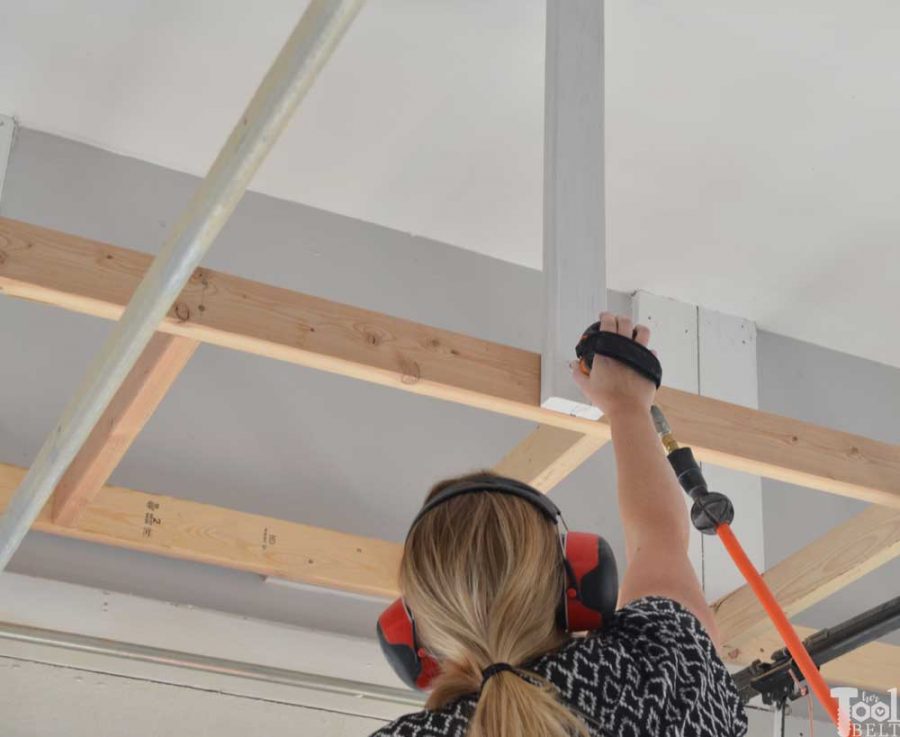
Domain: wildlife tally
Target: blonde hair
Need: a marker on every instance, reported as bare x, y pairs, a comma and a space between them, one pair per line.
482, 574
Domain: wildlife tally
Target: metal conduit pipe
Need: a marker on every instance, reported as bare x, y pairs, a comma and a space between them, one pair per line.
284, 86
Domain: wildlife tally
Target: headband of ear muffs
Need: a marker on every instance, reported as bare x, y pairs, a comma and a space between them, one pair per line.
586, 603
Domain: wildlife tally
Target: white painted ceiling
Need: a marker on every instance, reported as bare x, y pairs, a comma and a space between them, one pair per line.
752, 148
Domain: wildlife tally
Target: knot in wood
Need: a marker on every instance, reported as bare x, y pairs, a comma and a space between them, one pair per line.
411, 373
182, 312
200, 276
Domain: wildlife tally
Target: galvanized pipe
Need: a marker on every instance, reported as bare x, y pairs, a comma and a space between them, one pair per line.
284, 86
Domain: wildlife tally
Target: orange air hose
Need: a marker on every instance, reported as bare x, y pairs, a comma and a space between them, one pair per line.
713, 514
782, 624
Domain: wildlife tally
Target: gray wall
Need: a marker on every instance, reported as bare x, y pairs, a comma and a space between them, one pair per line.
281, 440
87, 704
251, 433
846, 393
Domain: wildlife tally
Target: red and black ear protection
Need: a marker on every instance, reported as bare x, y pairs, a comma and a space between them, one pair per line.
588, 600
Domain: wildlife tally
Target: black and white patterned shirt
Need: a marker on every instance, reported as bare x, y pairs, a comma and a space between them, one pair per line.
653, 671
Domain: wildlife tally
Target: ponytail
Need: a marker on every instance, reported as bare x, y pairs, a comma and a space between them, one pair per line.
482, 575
510, 706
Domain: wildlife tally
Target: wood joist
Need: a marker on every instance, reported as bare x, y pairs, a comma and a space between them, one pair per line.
187, 530
98, 279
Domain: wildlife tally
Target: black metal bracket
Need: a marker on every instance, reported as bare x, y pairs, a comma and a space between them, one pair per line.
776, 681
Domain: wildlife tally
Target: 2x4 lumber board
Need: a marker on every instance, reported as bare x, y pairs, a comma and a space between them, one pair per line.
574, 252
785, 449
176, 528
875, 666
836, 559
547, 456
137, 399
98, 279
185, 530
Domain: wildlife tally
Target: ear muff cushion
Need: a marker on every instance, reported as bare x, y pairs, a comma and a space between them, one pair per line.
600, 586
591, 597
430, 671
397, 637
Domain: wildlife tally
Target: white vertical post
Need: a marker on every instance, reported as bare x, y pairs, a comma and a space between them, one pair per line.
673, 335
728, 371
7, 133
778, 720
713, 355
285, 84
574, 226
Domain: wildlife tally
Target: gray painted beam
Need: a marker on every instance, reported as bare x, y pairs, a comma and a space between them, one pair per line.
574, 225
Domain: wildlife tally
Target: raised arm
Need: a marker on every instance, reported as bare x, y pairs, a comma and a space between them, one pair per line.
651, 502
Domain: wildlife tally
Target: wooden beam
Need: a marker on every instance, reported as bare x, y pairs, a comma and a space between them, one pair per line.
784, 448
135, 402
547, 456
874, 666
176, 528
841, 556
94, 278
98, 279
574, 254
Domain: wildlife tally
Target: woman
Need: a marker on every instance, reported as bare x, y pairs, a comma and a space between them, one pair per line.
482, 575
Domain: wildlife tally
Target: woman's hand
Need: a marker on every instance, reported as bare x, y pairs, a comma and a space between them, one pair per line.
612, 386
